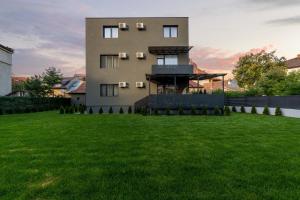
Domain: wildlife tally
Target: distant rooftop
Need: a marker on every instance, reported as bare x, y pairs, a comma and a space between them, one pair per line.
293, 63
5, 48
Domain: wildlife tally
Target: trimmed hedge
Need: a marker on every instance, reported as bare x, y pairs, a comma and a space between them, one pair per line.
10, 105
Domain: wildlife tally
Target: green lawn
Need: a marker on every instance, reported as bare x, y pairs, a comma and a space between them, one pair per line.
52, 156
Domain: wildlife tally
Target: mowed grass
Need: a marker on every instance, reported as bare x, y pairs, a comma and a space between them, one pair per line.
52, 156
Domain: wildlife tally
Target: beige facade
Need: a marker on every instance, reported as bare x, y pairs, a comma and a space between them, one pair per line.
131, 70
5, 70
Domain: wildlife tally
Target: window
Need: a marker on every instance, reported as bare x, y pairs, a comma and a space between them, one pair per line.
110, 32
170, 31
109, 90
109, 61
167, 60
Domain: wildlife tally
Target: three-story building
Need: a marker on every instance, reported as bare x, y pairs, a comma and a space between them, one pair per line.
130, 59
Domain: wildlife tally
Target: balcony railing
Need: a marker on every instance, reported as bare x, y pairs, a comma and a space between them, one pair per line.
172, 69
186, 101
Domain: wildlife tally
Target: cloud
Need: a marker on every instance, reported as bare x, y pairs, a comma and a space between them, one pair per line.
275, 3
217, 60
285, 21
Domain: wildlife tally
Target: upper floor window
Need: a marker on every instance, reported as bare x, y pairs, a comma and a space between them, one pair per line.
109, 90
109, 61
171, 31
167, 60
110, 31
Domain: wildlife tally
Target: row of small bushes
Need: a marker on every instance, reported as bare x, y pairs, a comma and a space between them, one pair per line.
81, 109
266, 110
180, 111
28, 109
144, 111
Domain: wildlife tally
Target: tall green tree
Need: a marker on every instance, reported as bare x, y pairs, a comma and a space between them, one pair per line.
251, 68
51, 77
35, 86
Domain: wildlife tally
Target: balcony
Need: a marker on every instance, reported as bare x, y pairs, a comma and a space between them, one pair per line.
186, 101
172, 69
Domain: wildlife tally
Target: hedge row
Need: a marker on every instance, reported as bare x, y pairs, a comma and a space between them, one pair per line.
10, 105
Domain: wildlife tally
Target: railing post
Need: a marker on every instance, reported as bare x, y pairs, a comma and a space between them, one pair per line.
223, 86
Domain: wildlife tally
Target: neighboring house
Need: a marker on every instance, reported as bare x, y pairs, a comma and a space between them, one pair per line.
78, 95
5, 69
140, 62
293, 64
217, 84
17, 86
67, 85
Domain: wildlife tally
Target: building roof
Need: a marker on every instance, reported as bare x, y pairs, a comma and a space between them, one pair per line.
18, 79
166, 50
193, 84
80, 89
293, 63
5, 48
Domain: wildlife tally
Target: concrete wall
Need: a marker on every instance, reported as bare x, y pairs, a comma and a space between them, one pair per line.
131, 70
5, 72
285, 111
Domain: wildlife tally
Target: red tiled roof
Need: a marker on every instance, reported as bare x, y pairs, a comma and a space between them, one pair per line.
293, 63
18, 79
80, 89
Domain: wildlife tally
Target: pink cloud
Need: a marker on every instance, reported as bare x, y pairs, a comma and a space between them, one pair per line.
217, 60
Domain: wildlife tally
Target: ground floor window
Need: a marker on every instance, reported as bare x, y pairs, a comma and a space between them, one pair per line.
109, 90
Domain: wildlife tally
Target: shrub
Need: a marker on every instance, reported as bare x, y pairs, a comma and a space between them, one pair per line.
34, 109
1, 111
266, 111
155, 111
75, 108
144, 111
61, 110
110, 111
67, 110
129, 110
168, 111
216, 111
204, 110
204, 92
226, 111
72, 110
278, 111
193, 111
253, 110
137, 110
180, 110
100, 110
233, 109
81, 109
27, 110
243, 109
9, 111
91, 110
121, 110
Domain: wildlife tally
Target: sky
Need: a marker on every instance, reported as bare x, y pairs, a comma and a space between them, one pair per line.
52, 33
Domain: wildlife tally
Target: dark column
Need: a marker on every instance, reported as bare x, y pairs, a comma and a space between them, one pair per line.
198, 85
149, 85
175, 84
223, 86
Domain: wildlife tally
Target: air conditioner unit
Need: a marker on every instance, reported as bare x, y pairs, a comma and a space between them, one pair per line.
140, 26
123, 84
139, 84
140, 55
123, 26
123, 55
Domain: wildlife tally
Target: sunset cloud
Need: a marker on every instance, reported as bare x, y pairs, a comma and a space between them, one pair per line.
217, 60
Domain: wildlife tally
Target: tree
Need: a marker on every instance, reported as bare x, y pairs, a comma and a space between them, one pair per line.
270, 82
51, 77
35, 87
251, 68
290, 85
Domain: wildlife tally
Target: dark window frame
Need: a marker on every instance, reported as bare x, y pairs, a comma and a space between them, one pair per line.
110, 27
102, 55
163, 57
106, 91
170, 32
